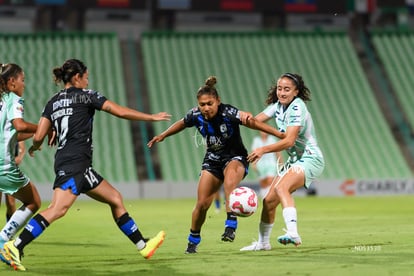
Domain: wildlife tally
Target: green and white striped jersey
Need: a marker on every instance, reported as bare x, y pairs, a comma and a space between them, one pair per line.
296, 114
11, 107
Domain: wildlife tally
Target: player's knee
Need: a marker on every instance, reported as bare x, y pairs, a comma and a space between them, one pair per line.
116, 199
280, 191
271, 200
34, 205
61, 212
202, 206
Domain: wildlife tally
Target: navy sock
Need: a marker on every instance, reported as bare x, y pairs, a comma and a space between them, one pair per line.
33, 229
194, 237
129, 228
231, 220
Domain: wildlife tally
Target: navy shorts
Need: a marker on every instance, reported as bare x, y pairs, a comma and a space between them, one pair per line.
78, 181
216, 167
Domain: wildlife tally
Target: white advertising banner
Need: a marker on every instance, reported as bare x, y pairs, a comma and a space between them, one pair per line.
361, 187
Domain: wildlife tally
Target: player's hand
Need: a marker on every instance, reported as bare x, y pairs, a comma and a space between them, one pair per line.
162, 116
51, 136
255, 155
245, 116
156, 139
32, 150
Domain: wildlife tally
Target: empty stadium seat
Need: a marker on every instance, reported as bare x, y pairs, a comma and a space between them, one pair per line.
38, 55
352, 131
396, 53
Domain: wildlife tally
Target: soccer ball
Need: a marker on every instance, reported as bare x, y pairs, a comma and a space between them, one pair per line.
243, 201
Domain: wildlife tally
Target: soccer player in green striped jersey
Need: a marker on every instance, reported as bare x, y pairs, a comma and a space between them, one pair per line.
286, 103
12, 129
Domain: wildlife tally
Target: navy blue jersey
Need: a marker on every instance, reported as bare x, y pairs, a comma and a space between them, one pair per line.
222, 133
71, 112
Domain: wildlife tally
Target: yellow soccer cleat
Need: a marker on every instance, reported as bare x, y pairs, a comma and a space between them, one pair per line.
12, 255
152, 245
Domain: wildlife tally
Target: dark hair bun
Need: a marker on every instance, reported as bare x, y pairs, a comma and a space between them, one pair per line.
211, 81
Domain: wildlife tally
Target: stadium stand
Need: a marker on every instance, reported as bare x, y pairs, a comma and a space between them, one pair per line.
126, 23
17, 19
395, 51
352, 131
38, 55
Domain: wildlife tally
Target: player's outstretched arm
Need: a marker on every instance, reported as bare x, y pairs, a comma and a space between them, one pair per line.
22, 126
132, 114
245, 116
24, 136
258, 125
286, 142
173, 129
43, 129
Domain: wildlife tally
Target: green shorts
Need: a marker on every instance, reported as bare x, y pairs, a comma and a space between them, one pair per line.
313, 167
12, 180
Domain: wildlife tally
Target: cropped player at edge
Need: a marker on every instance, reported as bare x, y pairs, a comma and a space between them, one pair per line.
14, 128
225, 162
71, 112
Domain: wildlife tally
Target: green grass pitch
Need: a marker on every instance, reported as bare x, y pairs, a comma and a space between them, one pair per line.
341, 236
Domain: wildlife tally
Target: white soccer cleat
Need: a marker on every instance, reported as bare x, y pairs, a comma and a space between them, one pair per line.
257, 246
290, 239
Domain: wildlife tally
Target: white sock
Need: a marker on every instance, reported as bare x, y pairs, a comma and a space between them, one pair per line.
15, 223
265, 229
290, 217
141, 244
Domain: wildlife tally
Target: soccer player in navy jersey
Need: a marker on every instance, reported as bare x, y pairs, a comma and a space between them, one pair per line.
225, 162
70, 112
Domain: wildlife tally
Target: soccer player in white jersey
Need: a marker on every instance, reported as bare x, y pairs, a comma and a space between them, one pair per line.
286, 103
12, 129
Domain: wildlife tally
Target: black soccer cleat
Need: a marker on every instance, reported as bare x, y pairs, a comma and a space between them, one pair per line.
191, 248
229, 234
